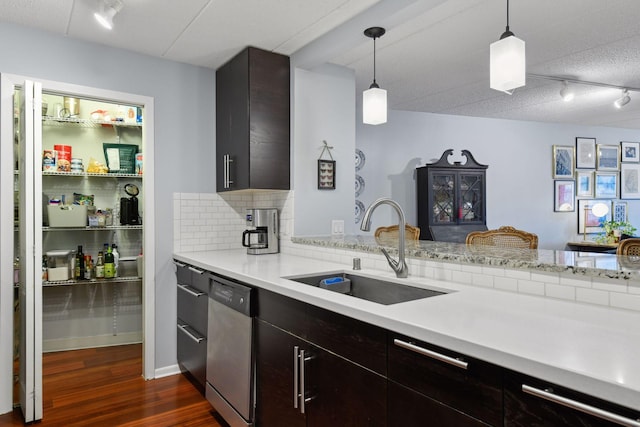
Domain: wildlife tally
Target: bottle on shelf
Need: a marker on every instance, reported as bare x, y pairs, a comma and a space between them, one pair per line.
100, 266
88, 267
109, 267
116, 259
45, 269
79, 267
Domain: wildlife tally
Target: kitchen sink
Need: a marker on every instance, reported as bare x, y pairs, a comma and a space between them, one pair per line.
367, 288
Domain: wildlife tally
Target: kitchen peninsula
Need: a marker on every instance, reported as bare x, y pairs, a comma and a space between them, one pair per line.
586, 348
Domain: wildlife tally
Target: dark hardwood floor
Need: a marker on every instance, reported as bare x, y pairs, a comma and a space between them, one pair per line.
104, 387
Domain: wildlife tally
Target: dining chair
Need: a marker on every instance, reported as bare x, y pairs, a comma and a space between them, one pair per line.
504, 237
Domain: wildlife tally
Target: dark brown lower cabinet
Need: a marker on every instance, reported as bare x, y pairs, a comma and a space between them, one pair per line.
408, 408
532, 402
337, 392
468, 387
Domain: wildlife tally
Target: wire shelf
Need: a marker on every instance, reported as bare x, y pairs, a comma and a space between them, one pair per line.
85, 123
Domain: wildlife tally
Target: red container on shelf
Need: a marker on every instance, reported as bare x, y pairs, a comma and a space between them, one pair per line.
64, 157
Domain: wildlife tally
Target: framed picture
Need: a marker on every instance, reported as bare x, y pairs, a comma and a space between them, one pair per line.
584, 183
630, 151
606, 184
326, 174
588, 221
630, 181
586, 153
563, 161
564, 196
619, 211
608, 158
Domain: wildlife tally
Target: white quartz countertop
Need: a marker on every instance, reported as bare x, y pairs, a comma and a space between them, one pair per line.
592, 349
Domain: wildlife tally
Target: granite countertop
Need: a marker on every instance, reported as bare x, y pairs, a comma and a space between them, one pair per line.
580, 263
587, 348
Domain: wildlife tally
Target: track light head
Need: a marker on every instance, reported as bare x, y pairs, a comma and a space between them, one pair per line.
623, 100
108, 9
566, 93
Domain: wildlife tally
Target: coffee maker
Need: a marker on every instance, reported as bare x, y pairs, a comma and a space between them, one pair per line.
262, 235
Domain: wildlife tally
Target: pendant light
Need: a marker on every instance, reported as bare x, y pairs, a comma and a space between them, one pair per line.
108, 9
374, 99
507, 62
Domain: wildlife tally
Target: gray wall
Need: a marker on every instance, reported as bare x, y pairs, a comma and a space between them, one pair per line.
323, 109
519, 178
184, 101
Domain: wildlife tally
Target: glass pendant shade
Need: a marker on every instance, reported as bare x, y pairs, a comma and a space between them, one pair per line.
374, 106
507, 64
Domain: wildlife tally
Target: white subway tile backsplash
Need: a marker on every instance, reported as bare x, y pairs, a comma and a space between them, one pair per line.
559, 291
530, 287
210, 221
592, 296
624, 300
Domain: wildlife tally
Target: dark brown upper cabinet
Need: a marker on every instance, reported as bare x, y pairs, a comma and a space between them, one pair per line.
253, 122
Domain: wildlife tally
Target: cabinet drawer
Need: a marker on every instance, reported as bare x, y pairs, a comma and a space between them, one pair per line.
352, 339
529, 401
200, 279
463, 383
183, 274
408, 408
192, 352
193, 307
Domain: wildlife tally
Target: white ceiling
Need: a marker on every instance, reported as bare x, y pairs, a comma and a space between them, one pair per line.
434, 57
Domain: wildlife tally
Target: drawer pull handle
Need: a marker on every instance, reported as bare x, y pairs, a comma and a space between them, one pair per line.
432, 354
179, 264
191, 291
579, 406
195, 270
183, 328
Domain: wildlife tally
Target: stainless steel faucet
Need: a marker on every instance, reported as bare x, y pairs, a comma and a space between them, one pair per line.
399, 266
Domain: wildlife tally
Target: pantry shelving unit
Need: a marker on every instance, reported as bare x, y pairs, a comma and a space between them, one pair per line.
70, 314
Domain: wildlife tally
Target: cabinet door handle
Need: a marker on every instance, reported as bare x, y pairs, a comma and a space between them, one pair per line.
195, 270
226, 170
190, 290
303, 399
296, 376
579, 406
183, 328
432, 354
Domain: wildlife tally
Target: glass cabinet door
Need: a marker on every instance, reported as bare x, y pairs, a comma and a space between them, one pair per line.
471, 197
444, 196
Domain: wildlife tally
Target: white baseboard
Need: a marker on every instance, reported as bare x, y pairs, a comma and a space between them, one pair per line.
64, 344
167, 371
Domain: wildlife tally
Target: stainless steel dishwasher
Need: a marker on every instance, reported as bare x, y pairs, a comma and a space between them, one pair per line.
230, 358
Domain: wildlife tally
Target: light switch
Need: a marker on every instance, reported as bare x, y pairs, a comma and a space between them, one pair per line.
337, 227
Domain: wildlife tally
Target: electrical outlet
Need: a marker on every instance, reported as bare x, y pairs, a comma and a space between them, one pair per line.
337, 227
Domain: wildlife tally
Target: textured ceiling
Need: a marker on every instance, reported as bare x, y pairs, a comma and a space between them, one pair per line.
434, 57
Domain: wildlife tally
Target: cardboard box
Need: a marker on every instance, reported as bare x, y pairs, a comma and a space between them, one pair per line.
67, 216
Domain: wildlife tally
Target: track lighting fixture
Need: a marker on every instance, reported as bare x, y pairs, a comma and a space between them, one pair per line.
108, 9
374, 99
507, 62
566, 92
623, 100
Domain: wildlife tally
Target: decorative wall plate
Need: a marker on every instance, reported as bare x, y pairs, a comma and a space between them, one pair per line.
359, 159
359, 185
359, 211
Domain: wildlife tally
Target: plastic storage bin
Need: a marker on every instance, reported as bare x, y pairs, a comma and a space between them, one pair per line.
59, 264
67, 215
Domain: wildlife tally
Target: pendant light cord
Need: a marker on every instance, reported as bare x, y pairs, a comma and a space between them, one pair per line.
374, 60
507, 15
